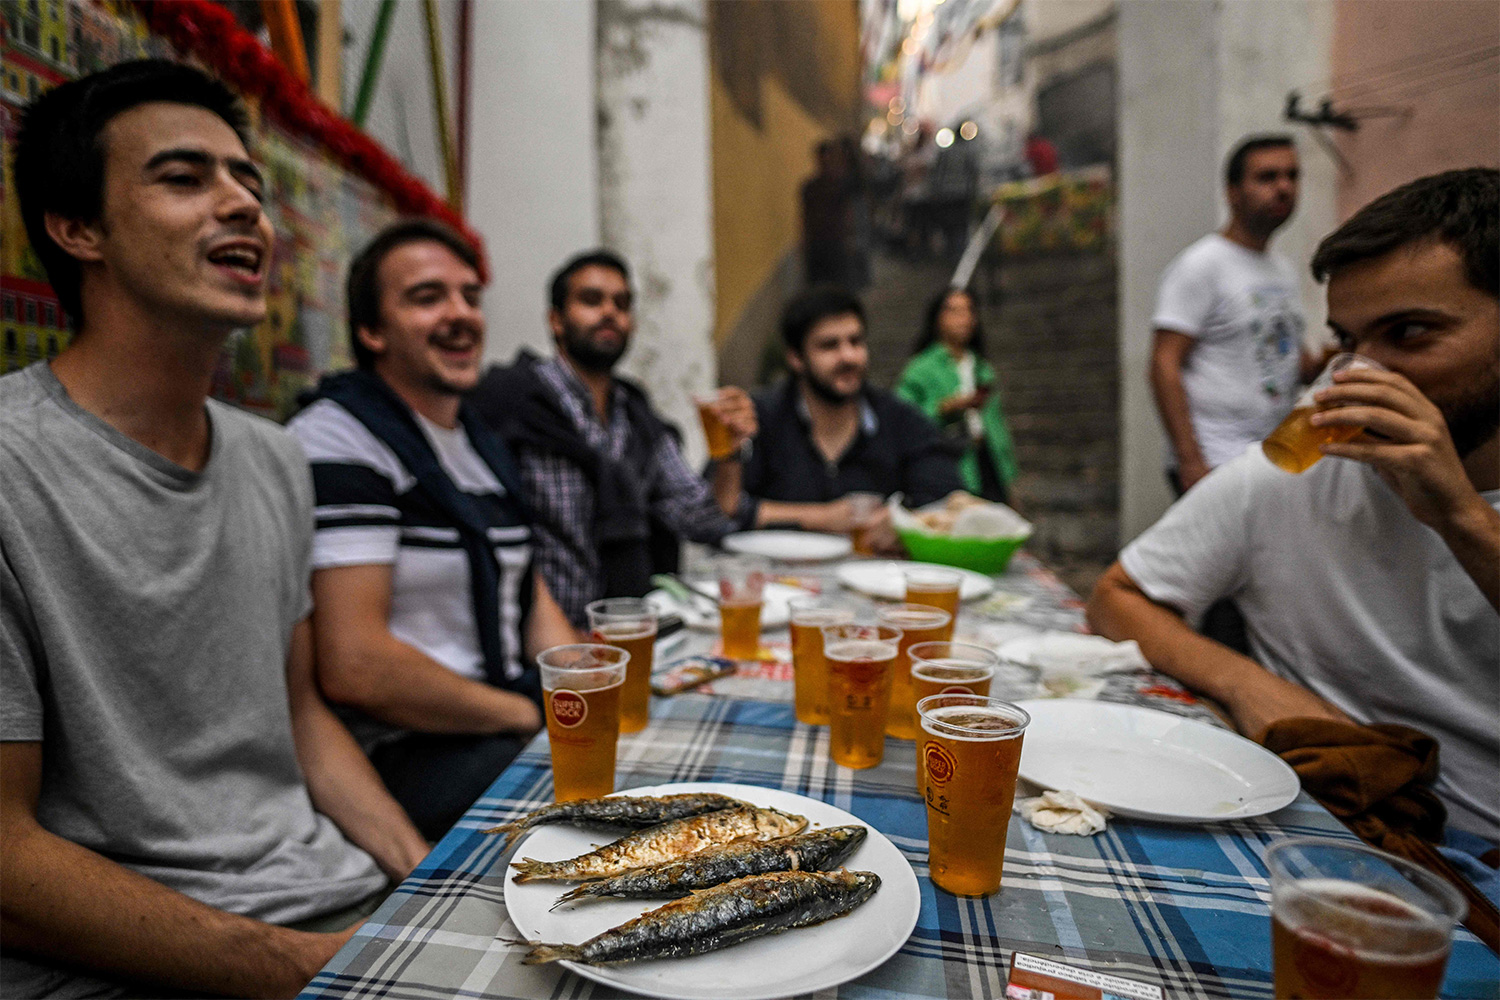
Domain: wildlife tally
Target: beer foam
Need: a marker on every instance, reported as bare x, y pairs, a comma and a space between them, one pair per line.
859, 649
971, 722
950, 670
625, 633
821, 616
1369, 922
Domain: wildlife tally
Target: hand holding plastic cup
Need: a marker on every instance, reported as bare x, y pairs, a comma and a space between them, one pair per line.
716, 432
630, 624
742, 583
581, 686
1293, 445
1350, 921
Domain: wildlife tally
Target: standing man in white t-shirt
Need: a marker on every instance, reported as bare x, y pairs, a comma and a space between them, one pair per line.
1227, 355
1369, 583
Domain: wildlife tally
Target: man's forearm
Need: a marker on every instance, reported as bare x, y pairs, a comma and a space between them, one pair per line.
399, 684
726, 480
811, 516
1252, 695
1172, 405
64, 903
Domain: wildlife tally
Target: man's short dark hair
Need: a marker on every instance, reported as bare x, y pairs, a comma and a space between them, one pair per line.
594, 258
59, 160
362, 290
1459, 207
1234, 167
807, 309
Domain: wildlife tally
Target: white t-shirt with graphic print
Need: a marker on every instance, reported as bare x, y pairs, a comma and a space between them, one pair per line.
1243, 308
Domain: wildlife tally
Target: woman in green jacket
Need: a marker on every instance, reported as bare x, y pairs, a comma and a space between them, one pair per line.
949, 380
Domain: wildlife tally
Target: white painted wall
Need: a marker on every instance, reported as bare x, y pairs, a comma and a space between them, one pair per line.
533, 178
655, 194
532, 174
1194, 77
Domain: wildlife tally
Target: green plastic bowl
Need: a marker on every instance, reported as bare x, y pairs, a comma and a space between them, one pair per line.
982, 555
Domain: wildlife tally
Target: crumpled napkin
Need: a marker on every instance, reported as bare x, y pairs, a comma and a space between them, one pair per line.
1063, 812
1071, 664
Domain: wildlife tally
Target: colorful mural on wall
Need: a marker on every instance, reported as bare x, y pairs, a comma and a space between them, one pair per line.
330, 187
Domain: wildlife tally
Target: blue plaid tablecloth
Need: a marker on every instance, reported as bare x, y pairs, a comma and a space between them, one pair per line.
1186, 908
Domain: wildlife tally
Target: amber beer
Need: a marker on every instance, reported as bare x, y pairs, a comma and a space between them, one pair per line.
742, 583
937, 588
1383, 930
1293, 445
717, 434
581, 686
951, 668
970, 752
809, 669
918, 623
862, 510
859, 688
630, 624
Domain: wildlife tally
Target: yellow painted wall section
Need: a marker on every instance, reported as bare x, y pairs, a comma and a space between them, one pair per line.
759, 166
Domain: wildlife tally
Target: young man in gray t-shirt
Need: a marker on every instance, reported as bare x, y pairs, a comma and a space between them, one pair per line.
172, 787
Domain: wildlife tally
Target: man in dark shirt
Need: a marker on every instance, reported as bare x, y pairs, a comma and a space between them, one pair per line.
824, 433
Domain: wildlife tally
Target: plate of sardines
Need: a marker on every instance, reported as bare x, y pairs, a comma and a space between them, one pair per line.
707, 891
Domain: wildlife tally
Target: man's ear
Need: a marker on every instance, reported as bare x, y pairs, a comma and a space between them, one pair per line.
555, 321
373, 340
794, 362
78, 239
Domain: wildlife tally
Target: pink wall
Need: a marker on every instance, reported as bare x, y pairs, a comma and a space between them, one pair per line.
1434, 62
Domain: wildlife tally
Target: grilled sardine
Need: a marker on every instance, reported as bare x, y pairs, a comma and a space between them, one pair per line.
665, 842
815, 851
633, 812
716, 918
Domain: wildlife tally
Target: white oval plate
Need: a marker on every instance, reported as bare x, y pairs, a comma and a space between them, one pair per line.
1146, 764
789, 546
797, 961
883, 579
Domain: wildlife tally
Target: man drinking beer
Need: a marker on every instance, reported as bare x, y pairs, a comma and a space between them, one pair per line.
1369, 583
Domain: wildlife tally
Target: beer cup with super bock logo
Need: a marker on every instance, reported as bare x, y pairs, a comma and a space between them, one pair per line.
581, 686
970, 750
1350, 921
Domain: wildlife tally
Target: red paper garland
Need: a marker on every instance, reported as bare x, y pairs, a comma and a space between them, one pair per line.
210, 33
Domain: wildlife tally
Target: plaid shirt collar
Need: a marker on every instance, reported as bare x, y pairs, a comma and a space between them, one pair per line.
579, 402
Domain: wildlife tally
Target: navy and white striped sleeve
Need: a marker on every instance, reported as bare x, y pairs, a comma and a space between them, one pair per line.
356, 480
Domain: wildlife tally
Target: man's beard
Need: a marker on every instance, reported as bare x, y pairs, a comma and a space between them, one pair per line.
588, 355
1474, 417
825, 390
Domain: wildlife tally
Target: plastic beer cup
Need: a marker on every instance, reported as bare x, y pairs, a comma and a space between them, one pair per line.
630, 623
716, 433
951, 668
859, 689
1293, 445
581, 686
809, 669
934, 586
862, 509
742, 582
970, 751
1350, 921
918, 623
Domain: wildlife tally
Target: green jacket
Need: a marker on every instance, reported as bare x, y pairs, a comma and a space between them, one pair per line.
930, 378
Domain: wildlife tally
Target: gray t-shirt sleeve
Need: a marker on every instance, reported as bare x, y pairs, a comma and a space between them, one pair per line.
300, 485
1199, 550
21, 704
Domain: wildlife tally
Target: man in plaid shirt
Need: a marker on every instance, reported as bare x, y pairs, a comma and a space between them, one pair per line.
610, 492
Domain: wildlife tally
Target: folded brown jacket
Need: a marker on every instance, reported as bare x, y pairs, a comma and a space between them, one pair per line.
1377, 780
